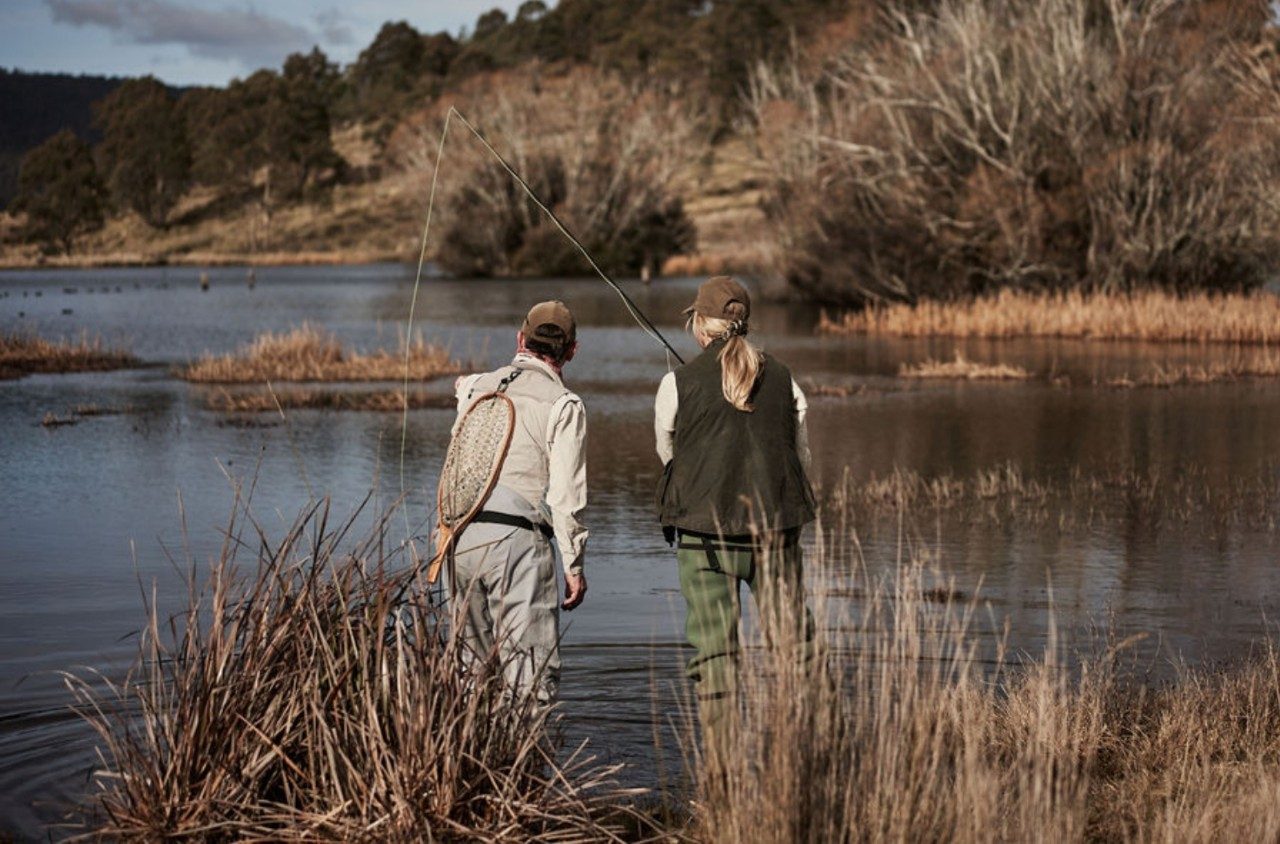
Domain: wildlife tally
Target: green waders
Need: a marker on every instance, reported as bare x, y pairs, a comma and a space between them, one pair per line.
712, 570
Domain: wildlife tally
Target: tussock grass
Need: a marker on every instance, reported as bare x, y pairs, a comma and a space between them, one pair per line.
23, 354
905, 729
308, 353
1152, 316
313, 694
382, 401
1263, 366
963, 369
1005, 494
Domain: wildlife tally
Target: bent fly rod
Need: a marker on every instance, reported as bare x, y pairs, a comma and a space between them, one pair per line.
636, 314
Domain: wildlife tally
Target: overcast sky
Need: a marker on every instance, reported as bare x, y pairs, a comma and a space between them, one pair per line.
188, 42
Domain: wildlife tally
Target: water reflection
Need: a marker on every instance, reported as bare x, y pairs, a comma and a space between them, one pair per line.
91, 511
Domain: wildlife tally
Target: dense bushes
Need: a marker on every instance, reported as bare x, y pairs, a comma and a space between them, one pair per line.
1047, 144
599, 155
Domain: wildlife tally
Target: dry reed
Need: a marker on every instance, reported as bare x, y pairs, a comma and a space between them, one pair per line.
963, 369
1152, 315
1004, 494
906, 729
308, 353
1265, 366
383, 401
316, 696
23, 354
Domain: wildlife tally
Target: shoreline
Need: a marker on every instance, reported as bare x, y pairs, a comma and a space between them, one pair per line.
208, 259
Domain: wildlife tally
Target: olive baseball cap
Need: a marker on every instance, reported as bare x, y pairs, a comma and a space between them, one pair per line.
551, 322
721, 297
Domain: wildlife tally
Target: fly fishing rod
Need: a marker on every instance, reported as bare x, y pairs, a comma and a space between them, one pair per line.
636, 314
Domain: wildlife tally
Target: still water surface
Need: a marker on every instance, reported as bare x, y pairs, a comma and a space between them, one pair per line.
90, 511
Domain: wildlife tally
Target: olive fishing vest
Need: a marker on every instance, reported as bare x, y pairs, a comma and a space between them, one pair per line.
734, 472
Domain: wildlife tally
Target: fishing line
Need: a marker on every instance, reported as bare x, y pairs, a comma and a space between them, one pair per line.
636, 314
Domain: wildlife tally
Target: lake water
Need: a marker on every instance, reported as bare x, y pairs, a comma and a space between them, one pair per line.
87, 512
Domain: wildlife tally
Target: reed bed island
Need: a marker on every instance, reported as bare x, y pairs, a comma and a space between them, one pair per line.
308, 353
25, 354
1148, 315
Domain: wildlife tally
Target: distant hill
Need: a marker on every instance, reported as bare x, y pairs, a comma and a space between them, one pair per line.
34, 106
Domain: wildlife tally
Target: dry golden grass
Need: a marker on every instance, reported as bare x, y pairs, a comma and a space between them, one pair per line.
1152, 315
906, 730
1259, 366
1003, 494
23, 354
308, 353
316, 696
382, 401
963, 369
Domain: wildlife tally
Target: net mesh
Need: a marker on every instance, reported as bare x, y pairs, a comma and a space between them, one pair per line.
475, 454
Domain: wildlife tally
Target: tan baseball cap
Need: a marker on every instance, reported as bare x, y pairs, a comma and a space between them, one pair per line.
721, 297
545, 318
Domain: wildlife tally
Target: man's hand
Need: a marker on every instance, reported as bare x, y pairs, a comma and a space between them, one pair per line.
575, 589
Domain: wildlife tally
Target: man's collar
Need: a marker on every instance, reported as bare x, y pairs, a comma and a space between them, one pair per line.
525, 360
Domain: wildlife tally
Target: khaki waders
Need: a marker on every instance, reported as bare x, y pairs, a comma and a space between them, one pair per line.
712, 571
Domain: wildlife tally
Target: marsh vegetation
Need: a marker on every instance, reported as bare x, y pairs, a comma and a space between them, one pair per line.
24, 354
309, 353
312, 692
1151, 315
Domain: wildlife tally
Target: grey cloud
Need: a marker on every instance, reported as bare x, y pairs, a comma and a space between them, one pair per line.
243, 34
333, 28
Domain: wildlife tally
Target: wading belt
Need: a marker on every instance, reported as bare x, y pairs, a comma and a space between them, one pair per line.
493, 517
711, 543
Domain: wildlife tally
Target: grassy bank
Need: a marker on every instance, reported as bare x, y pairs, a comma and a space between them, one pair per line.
316, 696
308, 353
24, 354
1151, 316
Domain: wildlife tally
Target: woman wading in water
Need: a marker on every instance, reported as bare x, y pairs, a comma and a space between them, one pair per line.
734, 494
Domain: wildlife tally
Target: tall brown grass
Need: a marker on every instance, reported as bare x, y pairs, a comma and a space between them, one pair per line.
23, 354
308, 353
907, 730
1150, 315
964, 146
313, 694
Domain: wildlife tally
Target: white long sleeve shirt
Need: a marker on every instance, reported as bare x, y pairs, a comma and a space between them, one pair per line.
667, 404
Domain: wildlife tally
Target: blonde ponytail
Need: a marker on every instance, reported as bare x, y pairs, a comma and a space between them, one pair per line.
740, 361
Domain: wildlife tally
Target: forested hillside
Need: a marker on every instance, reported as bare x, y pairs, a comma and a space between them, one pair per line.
860, 151
34, 106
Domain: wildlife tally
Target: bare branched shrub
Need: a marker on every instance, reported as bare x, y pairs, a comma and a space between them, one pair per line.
317, 697
602, 156
1048, 144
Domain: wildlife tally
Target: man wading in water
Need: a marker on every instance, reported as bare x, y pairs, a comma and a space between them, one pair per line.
734, 495
504, 563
